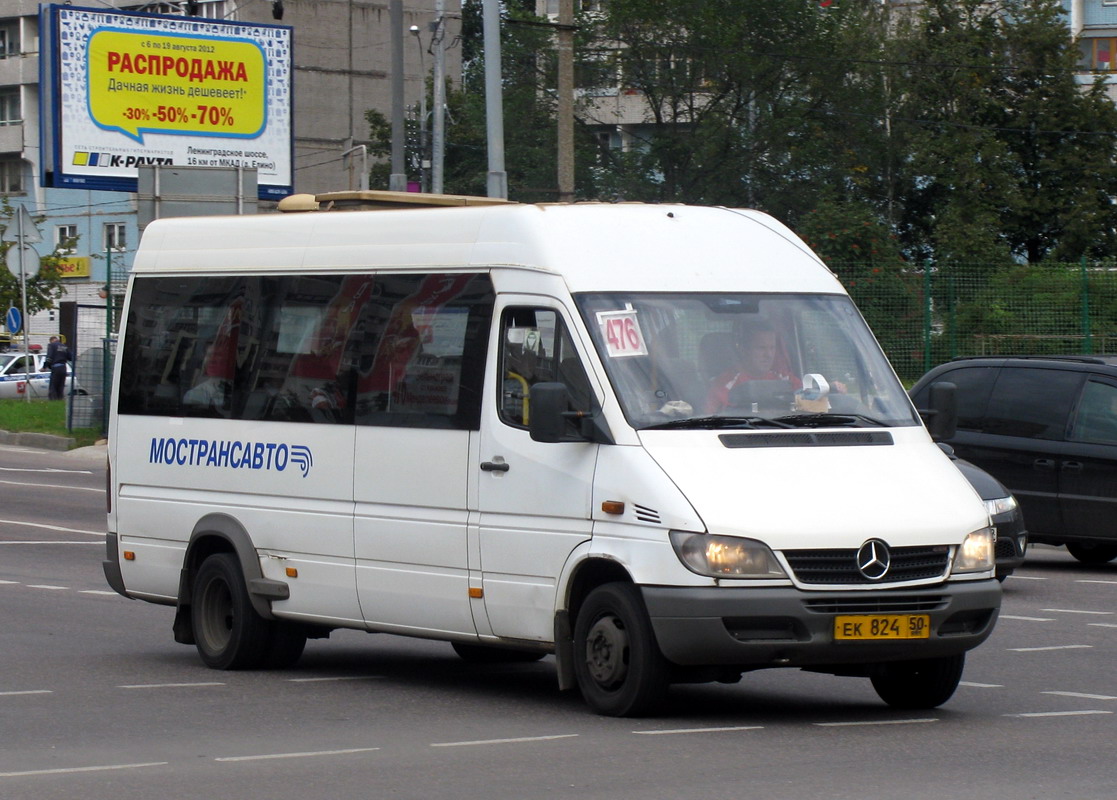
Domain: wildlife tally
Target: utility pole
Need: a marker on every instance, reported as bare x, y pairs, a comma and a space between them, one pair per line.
397, 181
566, 101
424, 161
438, 149
494, 101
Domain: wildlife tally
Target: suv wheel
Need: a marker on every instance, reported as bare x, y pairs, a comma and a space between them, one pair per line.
1093, 552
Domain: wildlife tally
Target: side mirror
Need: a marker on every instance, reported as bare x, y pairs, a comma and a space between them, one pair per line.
552, 417
942, 417
549, 403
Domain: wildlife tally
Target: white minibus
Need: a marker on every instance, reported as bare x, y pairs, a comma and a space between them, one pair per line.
656, 441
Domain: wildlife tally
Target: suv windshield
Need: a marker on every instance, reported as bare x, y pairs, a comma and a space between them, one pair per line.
694, 360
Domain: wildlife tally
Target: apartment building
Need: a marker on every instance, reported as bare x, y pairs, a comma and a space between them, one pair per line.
1093, 23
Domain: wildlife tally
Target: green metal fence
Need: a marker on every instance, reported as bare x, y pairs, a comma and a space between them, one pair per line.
925, 316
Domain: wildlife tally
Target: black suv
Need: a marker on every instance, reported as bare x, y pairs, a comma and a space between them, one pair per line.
1046, 427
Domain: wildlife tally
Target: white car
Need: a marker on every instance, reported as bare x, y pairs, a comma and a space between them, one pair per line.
16, 381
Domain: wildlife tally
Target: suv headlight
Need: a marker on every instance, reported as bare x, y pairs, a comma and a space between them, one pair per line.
725, 556
1001, 505
977, 553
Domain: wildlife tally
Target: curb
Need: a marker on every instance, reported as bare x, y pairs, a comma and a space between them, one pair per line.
43, 441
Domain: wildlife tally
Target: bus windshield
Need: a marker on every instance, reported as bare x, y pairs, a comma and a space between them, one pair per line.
693, 360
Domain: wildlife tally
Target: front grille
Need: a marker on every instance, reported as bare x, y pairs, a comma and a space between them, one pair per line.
875, 604
1006, 548
834, 567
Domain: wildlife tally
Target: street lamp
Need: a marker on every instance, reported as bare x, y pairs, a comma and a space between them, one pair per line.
423, 161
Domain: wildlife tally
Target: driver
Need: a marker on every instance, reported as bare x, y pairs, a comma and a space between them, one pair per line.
757, 350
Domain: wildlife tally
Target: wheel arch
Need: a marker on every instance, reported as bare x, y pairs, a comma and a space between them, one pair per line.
583, 577
221, 533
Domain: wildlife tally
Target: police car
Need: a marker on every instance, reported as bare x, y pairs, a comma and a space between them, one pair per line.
17, 381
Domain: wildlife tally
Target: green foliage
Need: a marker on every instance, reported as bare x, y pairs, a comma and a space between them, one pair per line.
956, 128
43, 289
42, 416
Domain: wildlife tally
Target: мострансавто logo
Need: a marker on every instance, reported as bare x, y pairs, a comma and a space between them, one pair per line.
230, 454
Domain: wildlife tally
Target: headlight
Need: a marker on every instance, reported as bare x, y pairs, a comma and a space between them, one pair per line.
977, 552
1002, 505
725, 556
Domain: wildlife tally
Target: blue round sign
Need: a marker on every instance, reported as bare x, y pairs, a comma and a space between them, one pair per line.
13, 320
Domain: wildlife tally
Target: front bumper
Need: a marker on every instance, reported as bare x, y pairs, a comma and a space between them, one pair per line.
785, 627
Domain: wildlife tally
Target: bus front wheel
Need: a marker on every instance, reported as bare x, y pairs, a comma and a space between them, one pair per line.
617, 662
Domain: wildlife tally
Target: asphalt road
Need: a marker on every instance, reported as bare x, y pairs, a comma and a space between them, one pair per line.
97, 701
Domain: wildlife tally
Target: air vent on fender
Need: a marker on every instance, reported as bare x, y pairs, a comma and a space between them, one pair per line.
645, 514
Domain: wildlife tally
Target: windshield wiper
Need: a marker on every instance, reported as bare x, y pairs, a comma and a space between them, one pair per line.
715, 422
824, 420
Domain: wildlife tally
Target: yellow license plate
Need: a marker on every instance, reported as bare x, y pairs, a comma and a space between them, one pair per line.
874, 627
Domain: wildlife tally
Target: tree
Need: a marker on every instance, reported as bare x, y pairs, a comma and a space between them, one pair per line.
957, 125
43, 289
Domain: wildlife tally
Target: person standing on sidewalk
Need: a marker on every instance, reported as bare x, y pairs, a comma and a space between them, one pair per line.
58, 356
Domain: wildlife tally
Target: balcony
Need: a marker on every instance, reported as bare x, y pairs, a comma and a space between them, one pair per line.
11, 137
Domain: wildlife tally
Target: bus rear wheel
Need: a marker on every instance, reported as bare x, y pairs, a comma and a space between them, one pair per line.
927, 683
228, 632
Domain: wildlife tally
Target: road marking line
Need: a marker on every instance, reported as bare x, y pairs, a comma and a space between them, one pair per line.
47, 586
1055, 647
1026, 619
1084, 580
27, 691
878, 722
299, 755
169, 685
49, 527
54, 486
1080, 694
1077, 611
337, 678
96, 591
505, 741
1102, 625
55, 541
1058, 713
981, 685
47, 469
702, 730
1016, 577
9, 583
71, 770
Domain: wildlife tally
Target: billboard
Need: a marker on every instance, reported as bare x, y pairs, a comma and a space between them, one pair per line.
127, 90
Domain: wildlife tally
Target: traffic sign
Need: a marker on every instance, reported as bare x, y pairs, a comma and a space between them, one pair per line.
13, 320
30, 261
21, 223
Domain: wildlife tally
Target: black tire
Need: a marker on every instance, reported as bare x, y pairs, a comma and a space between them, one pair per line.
1093, 552
285, 646
228, 632
617, 662
919, 684
480, 654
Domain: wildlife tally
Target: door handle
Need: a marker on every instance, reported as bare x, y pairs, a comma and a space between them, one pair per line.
1044, 463
494, 466
1072, 466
